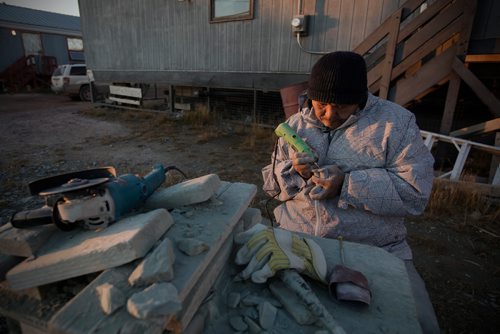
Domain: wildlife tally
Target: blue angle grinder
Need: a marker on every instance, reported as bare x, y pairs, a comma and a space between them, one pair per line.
92, 198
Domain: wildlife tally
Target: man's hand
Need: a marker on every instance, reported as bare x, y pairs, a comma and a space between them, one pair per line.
328, 180
267, 250
302, 163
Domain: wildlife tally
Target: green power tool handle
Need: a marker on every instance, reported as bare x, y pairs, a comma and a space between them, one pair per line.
293, 139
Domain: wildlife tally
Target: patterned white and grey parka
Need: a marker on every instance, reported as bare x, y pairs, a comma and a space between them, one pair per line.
388, 175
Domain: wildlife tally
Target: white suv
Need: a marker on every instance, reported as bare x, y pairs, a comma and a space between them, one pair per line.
71, 80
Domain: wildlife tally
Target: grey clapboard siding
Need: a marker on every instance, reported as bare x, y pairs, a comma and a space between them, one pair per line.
174, 42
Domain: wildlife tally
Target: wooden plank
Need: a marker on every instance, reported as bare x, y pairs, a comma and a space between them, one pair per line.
79, 252
125, 91
215, 223
481, 128
430, 74
127, 101
428, 31
477, 87
426, 48
450, 104
494, 177
483, 58
389, 55
465, 32
373, 38
196, 296
375, 74
422, 18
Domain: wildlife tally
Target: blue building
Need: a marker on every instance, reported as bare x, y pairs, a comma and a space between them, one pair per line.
33, 43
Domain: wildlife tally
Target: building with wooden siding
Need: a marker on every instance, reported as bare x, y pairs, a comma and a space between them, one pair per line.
411, 47
34, 42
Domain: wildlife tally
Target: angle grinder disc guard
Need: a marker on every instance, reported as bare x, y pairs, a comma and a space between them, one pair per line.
68, 182
74, 184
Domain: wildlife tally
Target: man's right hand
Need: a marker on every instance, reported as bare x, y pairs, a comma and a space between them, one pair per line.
302, 163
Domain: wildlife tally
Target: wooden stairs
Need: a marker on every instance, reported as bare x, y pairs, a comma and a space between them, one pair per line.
30, 70
417, 50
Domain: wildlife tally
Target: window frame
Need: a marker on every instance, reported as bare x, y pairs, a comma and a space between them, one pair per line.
229, 18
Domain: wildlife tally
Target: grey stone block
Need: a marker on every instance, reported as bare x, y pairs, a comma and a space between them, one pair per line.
157, 301
156, 267
111, 298
80, 252
185, 193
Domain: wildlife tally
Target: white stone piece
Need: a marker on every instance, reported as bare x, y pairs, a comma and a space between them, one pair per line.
251, 217
192, 246
24, 242
185, 193
156, 267
238, 324
253, 327
267, 314
292, 303
254, 300
233, 299
111, 298
157, 301
80, 252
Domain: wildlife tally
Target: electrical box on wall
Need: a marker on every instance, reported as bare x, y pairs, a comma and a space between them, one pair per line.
299, 24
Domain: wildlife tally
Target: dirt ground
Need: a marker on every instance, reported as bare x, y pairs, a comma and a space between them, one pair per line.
456, 251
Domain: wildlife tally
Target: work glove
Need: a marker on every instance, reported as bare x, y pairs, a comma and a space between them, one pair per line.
267, 250
302, 163
328, 181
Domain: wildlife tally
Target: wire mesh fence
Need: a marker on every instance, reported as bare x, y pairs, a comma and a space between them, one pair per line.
238, 105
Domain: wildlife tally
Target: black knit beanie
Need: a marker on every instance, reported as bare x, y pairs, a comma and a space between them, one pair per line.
339, 77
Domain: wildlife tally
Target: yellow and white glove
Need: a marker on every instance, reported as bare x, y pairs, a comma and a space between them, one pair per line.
267, 250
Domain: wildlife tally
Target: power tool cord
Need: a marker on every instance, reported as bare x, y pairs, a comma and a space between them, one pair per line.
169, 168
273, 223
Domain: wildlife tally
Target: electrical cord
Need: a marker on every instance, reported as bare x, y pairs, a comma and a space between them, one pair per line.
169, 168
275, 178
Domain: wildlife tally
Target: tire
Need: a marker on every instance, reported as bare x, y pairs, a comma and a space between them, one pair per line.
85, 93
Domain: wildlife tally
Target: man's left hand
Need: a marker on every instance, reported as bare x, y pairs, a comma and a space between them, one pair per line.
328, 181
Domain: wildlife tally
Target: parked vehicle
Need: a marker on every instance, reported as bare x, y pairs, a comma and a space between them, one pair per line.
72, 80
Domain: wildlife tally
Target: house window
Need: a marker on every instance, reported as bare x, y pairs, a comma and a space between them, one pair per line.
231, 10
32, 44
75, 49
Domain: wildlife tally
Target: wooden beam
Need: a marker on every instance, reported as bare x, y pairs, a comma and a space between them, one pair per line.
489, 126
430, 74
477, 87
427, 47
427, 32
389, 54
451, 103
422, 19
484, 58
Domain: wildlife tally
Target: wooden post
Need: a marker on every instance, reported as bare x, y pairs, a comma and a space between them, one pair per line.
451, 103
494, 177
385, 81
254, 112
172, 99
460, 162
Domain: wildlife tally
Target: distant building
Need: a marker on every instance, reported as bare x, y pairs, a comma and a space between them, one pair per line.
36, 39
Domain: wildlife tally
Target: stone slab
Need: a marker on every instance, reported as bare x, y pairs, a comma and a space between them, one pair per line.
24, 242
82, 316
185, 193
7, 262
392, 309
80, 252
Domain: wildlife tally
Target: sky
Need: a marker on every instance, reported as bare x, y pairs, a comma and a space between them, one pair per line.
69, 7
